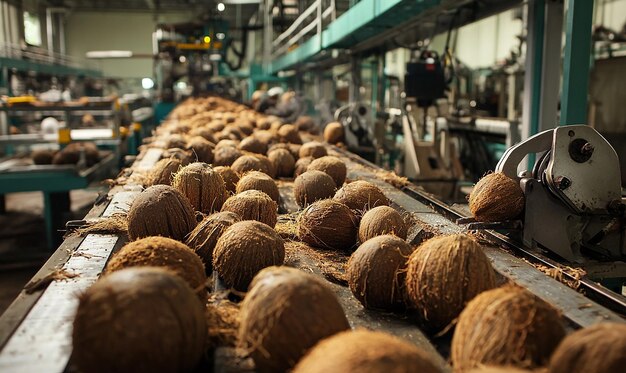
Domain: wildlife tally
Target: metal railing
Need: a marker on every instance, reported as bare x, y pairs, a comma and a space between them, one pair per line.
44, 56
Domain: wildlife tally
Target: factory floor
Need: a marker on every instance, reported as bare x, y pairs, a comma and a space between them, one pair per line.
23, 248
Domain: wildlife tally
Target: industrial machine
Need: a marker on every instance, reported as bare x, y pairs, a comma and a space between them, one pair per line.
358, 123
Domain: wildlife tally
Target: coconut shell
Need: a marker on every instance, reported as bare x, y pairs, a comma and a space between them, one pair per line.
255, 180
160, 210
328, 224
72, 152
41, 157
304, 123
227, 143
204, 237
333, 166
283, 162
225, 156
201, 149
175, 141
445, 273
161, 252
268, 166
506, 326
203, 132
312, 149
253, 205
496, 197
229, 176
266, 137
301, 166
382, 220
334, 133
163, 171
600, 348
361, 196
204, 187
288, 133
376, 272
247, 163
244, 249
263, 124
365, 351
138, 320
312, 186
253, 145
182, 155
285, 313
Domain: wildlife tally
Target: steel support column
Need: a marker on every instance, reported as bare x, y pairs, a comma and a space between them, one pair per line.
535, 22
550, 66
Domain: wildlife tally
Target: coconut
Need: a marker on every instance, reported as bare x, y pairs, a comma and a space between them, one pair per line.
334, 133
253, 205
226, 143
312, 186
203, 132
204, 237
253, 145
255, 180
246, 128
163, 171
268, 166
289, 133
312, 149
365, 351
175, 141
263, 124
160, 210
285, 313
229, 176
496, 197
265, 136
305, 123
283, 162
600, 348
376, 272
328, 224
247, 163
301, 165
244, 249
160, 252
42, 156
71, 154
225, 156
201, 149
138, 320
445, 273
361, 196
382, 220
333, 166
182, 155
506, 326
204, 187
233, 133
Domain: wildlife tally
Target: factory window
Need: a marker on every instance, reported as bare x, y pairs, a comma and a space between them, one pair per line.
32, 29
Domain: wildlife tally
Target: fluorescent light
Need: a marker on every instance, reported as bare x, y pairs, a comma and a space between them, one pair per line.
109, 54
221, 7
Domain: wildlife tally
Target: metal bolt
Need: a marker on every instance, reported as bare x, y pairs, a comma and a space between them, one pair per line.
587, 149
562, 182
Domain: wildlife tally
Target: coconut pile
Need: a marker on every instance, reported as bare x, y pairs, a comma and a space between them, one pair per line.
212, 216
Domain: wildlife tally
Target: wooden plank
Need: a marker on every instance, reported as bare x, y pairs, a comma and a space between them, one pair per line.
151, 157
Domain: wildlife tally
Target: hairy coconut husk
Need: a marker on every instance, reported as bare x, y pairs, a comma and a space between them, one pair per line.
160, 210
244, 249
445, 273
365, 351
203, 132
312, 186
253, 205
253, 145
333, 166
182, 155
163, 171
225, 156
247, 163
288, 133
275, 126
201, 149
283, 162
175, 141
229, 176
496, 197
138, 320
268, 166
233, 133
600, 348
376, 272
285, 313
161, 252
42, 156
506, 326
312, 149
328, 224
382, 220
302, 165
304, 123
204, 187
295, 150
334, 133
361, 196
255, 180
267, 137
204, 237
216, 126
227, 143
222, 321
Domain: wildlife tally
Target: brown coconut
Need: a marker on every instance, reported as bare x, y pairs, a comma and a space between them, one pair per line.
266, 137
244, 249
227, 143
312, 186
283, 162
225, 156
365, 351
161, 252
334, 133
138, 320
496, 197
204, 187
204, 237
42, 156
163, 171
312, 149
160, 210
253, 205
203, 132
376, 272
268, 166
229, 176
382, 220
333, 166
201, 150
175, 141
600, 348
328, 224
506, 326
302, 165
253, 145
247, 163
285, 313
288, 133
71, 154
182, 155
361, 196
255, 180
304, 123
445, 273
